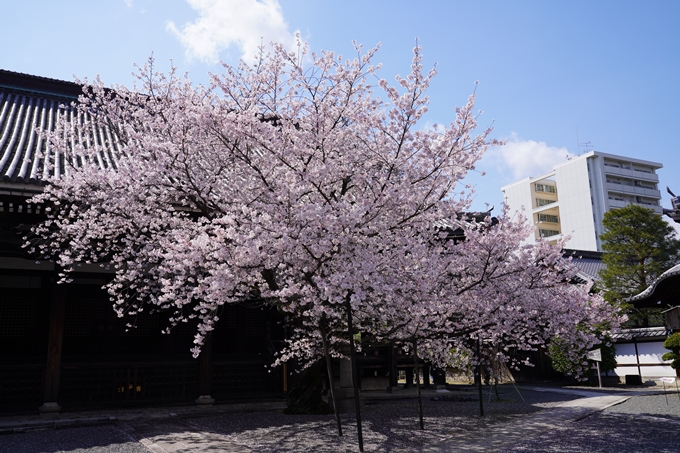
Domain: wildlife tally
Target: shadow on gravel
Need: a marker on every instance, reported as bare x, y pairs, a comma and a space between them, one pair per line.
388, 425
94, 439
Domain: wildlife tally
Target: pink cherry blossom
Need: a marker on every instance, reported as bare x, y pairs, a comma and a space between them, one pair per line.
294, 183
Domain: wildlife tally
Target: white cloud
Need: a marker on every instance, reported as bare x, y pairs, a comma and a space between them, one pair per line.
225, 24
524, 158
129, 3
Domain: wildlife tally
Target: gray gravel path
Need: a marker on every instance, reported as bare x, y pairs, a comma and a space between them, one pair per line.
96, 439
544, 423
646, 423
388, 426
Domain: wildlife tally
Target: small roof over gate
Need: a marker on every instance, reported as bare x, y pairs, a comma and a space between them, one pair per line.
663, 291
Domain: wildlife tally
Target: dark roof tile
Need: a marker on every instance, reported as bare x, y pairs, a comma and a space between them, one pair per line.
29, 104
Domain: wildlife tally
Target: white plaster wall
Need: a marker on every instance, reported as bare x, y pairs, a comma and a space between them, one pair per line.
599, 194
576, 210
517, 197
650, 354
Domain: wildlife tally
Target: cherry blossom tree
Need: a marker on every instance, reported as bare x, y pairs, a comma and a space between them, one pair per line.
307, 182
490, 289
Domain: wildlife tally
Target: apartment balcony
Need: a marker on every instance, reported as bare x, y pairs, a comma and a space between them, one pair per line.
633, 190
549, 235
629, 173
546, 205
614, 204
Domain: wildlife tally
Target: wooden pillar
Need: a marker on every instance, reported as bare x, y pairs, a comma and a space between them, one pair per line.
54, 348
409, 377
205, 373
439, 378
393, 369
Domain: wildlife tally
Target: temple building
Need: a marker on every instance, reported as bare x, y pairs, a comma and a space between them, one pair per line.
62, 345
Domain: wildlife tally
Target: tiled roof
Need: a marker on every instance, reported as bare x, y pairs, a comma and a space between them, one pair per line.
29, 104
589, 263
640, 332
454, 229
589, 266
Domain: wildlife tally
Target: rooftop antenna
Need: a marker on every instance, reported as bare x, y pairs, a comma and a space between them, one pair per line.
586, 146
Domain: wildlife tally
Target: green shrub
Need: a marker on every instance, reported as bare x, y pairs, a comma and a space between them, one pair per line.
561, 364
673, 344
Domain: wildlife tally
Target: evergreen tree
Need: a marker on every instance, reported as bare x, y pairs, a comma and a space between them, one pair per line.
638, 247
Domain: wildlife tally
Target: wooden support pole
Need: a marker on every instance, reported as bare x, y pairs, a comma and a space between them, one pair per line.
637, 358
355, 375
331, 384
420, 399
479, 382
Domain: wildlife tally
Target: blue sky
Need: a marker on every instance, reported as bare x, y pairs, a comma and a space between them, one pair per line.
608, 71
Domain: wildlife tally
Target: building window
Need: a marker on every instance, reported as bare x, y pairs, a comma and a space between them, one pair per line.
547, 233
545, 188
543, 201
548, 218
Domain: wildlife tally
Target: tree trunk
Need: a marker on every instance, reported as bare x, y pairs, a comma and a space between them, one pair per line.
355, 377
420, 400
479, 374
329, 370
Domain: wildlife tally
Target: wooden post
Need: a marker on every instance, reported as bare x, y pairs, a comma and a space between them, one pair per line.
479, 376
637, 357
393, 370
205, 373
54, 348
329, 371
285, 377
420, 399
409, 377
355, 374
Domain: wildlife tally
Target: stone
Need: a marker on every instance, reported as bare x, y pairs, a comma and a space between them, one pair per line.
206, 400
49, 408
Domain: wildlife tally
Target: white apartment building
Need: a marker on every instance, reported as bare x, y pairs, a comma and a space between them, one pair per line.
573, 197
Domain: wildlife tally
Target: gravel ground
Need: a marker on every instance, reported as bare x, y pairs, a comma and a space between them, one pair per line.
641, 424
387, 426
97, 439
